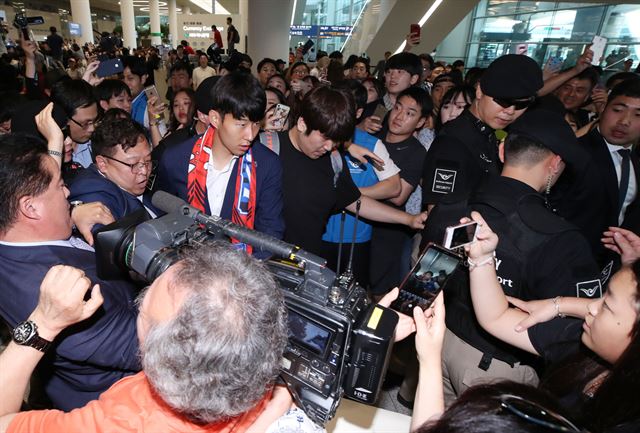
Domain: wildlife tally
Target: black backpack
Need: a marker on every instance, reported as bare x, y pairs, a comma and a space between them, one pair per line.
236, 36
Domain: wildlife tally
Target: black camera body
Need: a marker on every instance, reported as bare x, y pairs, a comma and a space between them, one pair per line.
338, 342
21, 22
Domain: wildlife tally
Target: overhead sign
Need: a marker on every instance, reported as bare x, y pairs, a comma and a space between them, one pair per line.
320, 32
75, 29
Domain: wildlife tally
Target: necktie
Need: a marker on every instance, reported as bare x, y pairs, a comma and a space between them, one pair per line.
624, 177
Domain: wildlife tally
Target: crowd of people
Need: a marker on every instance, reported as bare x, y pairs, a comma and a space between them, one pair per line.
538, 331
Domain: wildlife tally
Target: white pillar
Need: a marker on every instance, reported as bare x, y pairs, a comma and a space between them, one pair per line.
81, 13
243, 25
154, 22
268, 29
173, 24
186, 10
128, 24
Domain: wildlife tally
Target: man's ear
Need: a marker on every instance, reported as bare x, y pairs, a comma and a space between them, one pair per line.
414, 79
479, 93
501, 151
557, 164
215, 119
104, 105
359, 112
101, 163
301, 125
30, 207
421, 123
143, 78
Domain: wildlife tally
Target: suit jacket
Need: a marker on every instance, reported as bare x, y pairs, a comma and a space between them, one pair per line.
172, 178
90, 186
588, 196
88, 357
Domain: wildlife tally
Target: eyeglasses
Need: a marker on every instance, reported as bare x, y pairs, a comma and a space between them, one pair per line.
86, 125
518, 104
537, 414
137, 167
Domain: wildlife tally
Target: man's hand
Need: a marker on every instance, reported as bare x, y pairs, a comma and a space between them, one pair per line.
486, 240
624, 242
417, 221
411, 40
90, 73
372, 124
85, 216
62, 303
584, 61
49, 128
364, 155
599, 97
406, 325
430, 329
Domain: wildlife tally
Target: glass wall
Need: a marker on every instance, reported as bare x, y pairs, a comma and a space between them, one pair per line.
326, 22
561, 30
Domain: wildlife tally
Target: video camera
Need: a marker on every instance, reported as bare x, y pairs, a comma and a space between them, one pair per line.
21, 22
338, 342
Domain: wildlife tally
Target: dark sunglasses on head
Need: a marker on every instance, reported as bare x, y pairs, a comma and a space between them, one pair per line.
537, 414
518, 104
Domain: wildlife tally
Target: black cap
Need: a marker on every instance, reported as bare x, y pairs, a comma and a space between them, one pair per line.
203, 94
553, 132
513, 76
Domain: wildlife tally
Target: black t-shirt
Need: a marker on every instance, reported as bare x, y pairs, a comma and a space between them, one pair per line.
309, 195
409, 156
556, 339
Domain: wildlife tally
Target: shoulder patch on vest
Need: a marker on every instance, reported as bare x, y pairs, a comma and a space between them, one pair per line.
589, 289
444, 181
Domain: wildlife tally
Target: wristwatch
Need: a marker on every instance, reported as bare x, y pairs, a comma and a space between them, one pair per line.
26, 334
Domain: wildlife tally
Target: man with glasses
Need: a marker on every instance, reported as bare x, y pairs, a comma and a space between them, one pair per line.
465, 152
77, 100
120, 173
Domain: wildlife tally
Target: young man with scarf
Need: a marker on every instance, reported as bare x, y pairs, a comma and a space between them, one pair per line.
222, 171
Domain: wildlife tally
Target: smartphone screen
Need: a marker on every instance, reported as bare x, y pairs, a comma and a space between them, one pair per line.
151, 91
460, 235
427, 278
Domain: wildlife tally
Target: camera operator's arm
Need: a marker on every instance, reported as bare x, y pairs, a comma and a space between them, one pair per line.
51, 132
376, 211
60, 305
430, 327
489, 301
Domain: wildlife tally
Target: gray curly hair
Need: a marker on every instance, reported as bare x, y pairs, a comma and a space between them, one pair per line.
221, 353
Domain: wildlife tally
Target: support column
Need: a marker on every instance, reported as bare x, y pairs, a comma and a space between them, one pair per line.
268, 29
243, 25
154, 22
174, 32
81, 13
128, 24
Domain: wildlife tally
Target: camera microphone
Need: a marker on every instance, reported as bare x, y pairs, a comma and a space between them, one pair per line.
170, 203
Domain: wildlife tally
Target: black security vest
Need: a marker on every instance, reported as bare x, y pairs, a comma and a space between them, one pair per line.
523, 224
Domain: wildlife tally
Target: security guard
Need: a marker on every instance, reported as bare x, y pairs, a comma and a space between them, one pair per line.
466, 149
540, 255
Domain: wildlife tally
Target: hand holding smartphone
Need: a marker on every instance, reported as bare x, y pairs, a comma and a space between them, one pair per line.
414, 31
152, 94
598, 46
427, 278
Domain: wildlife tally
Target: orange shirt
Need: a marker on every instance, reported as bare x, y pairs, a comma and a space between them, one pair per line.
128, 406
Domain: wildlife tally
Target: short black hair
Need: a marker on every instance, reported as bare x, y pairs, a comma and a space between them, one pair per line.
457, 63
590, 74
22, 173
358, 91
113, 131
213, 27
521, 150
336, 55
110, 88
630, 88
71, 95
330, 111
620, 76
264, 61
281, 98
181, 66
422, 98
427, 58
406, 62
239, 94
136, 65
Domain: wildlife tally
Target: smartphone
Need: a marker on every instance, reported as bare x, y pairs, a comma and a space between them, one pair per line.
151, 91
414, 30
109, 67
280, 113
460, 235
307, 46
598, 46
427, 278
381, 112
